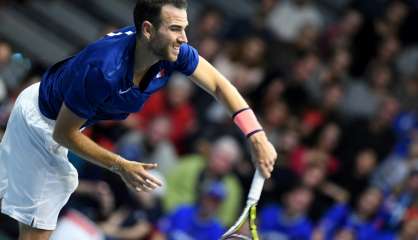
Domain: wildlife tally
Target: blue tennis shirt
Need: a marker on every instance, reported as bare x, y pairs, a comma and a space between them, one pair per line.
97, 83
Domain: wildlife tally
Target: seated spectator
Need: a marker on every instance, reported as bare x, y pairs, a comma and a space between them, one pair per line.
376, 133
363, 99
152, 145
173, 102
324, 143
94, 198
340, 33
197, 221
289, 221
139, 218
185, 180
363, 220
296, 14
395, 169
13, 69
244, 65
356, 180
397, 204
326, 193
408, 230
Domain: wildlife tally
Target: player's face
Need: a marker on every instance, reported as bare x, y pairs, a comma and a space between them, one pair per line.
171, 33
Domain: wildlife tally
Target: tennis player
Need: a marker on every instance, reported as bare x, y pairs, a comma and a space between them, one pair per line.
109, 79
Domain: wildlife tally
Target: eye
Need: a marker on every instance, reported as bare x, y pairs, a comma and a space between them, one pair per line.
176, 28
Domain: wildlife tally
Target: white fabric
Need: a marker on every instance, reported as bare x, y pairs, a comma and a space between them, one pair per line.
36, 178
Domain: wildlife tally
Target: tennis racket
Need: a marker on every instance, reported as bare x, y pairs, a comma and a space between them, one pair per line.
249, 212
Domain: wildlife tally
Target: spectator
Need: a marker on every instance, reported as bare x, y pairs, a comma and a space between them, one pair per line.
137, 220
197, 221
356, 180
173, 102
340, 34
321, 151
244, 65
398, 202
224, 155
302, 64
13, 68
376, 133
289, 221
394, 170
150, 146
362, 99
295, 14
408, 231
362, 220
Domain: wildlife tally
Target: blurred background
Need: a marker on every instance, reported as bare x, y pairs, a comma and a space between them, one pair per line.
334, 83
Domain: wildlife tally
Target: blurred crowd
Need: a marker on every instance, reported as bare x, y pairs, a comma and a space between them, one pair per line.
336, 90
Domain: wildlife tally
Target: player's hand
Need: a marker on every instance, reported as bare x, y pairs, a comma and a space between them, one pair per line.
136, 176
265, 154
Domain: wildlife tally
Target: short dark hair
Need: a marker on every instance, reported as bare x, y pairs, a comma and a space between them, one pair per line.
150, 10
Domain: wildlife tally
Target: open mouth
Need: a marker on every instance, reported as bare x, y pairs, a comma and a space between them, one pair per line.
176, 49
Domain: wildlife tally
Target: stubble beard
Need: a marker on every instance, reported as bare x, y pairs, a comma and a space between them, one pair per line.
159, 49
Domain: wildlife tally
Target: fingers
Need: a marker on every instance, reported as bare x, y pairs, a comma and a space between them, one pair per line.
151, 179
140, 179
144, 184
149, 166
267, 163
266, 173
270, 168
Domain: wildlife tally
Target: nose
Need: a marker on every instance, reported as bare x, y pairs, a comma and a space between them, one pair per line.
183, 37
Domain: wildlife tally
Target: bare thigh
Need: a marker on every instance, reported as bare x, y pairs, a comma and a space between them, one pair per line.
28, 233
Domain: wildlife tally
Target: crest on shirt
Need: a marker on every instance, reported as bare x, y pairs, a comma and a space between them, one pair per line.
161, 73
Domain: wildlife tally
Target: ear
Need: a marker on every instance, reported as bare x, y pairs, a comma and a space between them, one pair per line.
147, 29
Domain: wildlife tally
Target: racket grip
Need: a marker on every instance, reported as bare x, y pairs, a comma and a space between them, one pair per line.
256, 188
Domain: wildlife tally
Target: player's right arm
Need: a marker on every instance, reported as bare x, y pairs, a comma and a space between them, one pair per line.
67, 134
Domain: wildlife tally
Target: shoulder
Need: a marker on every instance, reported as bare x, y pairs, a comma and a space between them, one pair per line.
110, 53
187, 59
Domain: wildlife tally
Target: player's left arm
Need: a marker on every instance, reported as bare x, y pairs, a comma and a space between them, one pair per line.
210, 79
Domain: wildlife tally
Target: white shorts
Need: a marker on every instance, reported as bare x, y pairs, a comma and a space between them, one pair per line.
36, 178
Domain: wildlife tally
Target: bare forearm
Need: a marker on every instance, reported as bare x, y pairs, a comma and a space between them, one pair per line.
226, 93
207, 77
88, 149
66, 133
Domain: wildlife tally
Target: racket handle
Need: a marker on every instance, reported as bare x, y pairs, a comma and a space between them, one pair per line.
256, 188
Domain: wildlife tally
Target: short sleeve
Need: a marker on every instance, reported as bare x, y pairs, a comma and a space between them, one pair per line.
87, 90
187, 59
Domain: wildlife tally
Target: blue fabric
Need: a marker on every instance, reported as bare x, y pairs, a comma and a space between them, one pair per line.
387, 236
403, 125
184, 224
274, 225
341, 216
97, 83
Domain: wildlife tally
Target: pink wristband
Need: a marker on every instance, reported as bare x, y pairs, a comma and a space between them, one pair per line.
245, 119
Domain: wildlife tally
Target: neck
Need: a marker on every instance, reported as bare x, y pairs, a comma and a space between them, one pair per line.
144, 57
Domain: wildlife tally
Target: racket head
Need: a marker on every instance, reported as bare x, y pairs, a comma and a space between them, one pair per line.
248, 214
237, 236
